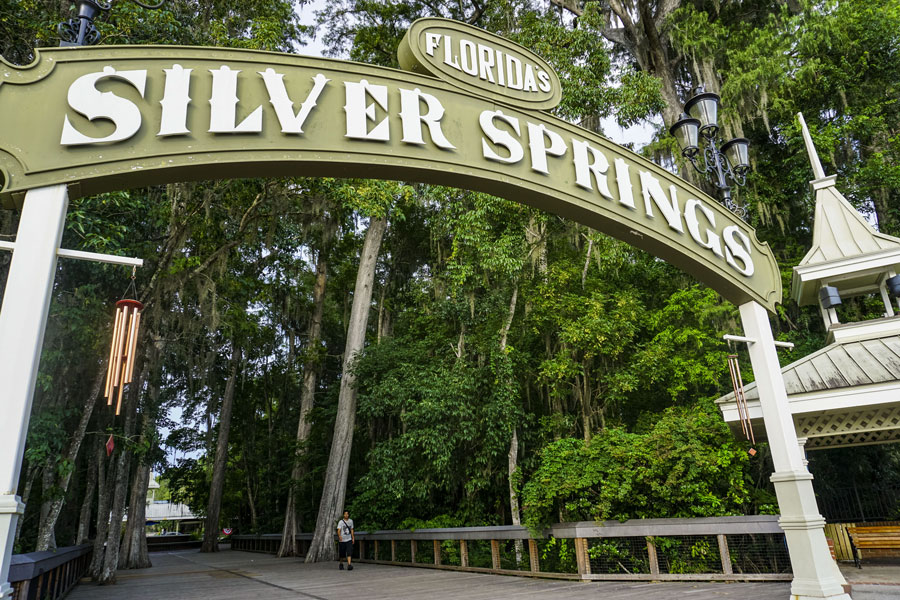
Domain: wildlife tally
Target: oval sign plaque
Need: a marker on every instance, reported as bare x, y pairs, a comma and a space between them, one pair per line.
477, 61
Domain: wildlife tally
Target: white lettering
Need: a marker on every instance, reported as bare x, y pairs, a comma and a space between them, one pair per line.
738, 249
449, 59
598, 165
544, 79
175, 102
84, 98
623, 181
432, 41
501, 74
500, 137
284, 107
486, 63
359, 113
652, 189
223, 105
412, 118
530, 84
513, 73
537, 136
468, 57
712, 242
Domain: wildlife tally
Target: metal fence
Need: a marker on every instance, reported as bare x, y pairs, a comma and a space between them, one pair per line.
750, 548
860, 505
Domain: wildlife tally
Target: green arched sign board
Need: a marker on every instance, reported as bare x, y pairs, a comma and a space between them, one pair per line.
467, 113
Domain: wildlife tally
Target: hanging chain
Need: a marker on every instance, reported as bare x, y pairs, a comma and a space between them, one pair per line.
131, 287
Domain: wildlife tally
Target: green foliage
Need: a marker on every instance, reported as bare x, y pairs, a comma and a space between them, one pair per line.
686, 465
454, 429
609, 356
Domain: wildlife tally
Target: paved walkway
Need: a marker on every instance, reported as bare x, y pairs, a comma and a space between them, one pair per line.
228, 575
873, 581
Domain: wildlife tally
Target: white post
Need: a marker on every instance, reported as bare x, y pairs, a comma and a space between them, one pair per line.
23, 317
815, 573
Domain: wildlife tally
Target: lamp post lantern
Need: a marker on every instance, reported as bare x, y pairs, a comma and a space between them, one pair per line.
724, 164
80, 31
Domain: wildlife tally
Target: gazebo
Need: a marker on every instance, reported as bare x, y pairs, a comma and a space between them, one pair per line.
847, 393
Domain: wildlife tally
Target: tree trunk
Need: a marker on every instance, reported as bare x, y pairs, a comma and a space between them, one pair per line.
84, 516
133, 554
48, 479
254, 519
211, 532
513, 455
513, 464
105, 474
334, 491
123, 467
584, 402
26, 495
307, 396
46, 533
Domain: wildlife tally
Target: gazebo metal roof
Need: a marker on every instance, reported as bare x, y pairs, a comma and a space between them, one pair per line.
838, 366
846, 394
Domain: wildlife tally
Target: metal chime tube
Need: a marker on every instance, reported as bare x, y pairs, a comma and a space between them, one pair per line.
732, 359
126, 330
119, 340
126, 360
110, 369
132, 346
739, 398
744, 401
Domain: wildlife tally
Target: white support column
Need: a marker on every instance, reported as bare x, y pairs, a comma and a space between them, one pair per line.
23, 317
815, 573
802, 443
885, 297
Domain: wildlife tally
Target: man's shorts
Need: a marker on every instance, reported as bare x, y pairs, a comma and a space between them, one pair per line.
345, 549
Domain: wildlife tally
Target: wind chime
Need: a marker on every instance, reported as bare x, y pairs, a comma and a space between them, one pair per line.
741, 400
126, 328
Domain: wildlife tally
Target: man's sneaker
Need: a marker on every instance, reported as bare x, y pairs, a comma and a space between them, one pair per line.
349, 567
341, 566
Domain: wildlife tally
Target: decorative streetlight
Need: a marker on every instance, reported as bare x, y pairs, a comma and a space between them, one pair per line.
80, 31
724, 165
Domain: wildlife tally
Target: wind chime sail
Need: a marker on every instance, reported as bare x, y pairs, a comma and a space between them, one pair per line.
126, 328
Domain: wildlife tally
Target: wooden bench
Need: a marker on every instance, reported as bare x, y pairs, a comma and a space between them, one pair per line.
883, 537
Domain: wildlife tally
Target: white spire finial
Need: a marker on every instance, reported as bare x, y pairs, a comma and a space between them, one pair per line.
818, 171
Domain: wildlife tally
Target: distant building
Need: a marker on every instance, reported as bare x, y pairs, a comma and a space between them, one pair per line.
159, 511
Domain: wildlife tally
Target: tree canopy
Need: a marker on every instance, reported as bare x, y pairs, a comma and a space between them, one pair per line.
508, 353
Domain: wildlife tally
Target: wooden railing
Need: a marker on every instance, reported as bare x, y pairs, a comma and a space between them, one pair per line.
48, 575
167, 543
267, 543
709, 549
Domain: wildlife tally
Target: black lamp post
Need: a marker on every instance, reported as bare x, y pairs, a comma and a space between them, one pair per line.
80, 31
724, 165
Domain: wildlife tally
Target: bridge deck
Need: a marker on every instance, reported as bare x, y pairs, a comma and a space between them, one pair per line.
227, 575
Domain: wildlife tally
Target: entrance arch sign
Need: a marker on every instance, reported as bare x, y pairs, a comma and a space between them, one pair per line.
107, 118
468, 112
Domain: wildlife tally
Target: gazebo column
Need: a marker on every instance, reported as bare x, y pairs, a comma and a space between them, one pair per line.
815, 573
802, 443
23, 318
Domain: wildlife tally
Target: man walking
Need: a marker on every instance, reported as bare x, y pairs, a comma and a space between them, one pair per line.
346, 539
